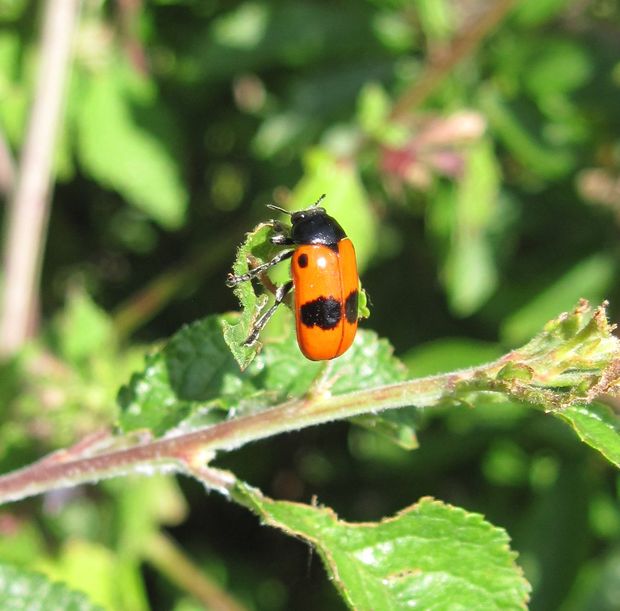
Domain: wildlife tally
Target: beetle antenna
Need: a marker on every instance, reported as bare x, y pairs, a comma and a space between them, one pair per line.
318, 201
278, 209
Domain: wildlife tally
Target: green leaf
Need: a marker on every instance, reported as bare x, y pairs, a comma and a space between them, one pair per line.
536, 13
557, 67
120, 153
195, 376
571, 362
397, 34
398, 426
598, 426
194, 369
11, 10
23, 590
373, 109
436, 17
373, 115
243, 28
15, 80
428, 556
463, 223
470, 274
83, 328
112, 581
257, 248
539, 158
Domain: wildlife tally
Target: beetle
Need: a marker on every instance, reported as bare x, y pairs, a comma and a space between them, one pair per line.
324, 282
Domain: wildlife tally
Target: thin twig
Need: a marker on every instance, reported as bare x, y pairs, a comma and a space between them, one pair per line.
444, 60
29, 207
162, 552
181, 454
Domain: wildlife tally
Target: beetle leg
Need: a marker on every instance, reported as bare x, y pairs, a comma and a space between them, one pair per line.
281, 293
280, 235
281, 239
233, 280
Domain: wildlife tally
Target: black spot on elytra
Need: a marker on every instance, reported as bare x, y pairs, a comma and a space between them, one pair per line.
323, 312
302, 260
350, 307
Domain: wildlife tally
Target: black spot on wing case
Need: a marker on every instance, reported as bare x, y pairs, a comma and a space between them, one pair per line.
323, 312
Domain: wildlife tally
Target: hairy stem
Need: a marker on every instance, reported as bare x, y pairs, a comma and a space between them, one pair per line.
181, 453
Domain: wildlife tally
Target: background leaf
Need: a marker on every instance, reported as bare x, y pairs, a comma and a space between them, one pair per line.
25, 590
589, 279
121, 153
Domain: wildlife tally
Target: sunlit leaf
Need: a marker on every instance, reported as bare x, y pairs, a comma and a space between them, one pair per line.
430, 555
536, 13
110, 581
559, 66
257, 247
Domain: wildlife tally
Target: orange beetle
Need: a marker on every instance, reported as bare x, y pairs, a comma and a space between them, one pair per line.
324, 279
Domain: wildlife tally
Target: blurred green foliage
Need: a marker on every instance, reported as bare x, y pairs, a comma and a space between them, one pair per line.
477, 216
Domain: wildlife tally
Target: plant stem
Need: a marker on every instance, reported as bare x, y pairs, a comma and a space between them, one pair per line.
179, 454
29, 206
445, 60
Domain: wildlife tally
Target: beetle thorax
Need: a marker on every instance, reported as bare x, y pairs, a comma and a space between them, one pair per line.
315, 226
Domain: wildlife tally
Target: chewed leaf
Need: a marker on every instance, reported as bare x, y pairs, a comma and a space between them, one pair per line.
21, 589
257, 248
428, 556
194, 371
